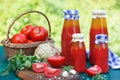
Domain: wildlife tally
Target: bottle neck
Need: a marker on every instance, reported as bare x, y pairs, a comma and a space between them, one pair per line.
72, 23
99, 22
77, 43
102, 45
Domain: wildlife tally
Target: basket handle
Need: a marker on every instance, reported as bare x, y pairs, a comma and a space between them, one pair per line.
25, 14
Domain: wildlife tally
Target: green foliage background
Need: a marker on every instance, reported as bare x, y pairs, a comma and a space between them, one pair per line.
10, 9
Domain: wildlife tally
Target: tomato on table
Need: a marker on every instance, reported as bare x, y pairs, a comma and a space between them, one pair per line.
39, 67
56, 60
51, 72
39, 33
19, 38
92, 71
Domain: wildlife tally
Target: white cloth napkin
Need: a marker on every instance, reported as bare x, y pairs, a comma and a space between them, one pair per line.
113, 60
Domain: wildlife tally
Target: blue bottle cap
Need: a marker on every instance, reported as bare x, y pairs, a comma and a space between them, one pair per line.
101, 38
71, 14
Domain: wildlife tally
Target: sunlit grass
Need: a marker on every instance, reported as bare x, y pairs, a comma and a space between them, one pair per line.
10, 9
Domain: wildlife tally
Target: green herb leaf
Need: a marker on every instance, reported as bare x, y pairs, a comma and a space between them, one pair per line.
98, 77
20, 62
68, 68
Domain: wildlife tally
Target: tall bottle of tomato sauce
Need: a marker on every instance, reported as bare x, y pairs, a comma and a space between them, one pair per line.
71, 25
101, 52
78, 52
98, 26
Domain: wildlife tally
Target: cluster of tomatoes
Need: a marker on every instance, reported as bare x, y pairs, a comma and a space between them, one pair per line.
30, 34
55, 61
44, 68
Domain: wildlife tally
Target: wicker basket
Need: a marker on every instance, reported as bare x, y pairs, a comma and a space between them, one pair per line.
28, 48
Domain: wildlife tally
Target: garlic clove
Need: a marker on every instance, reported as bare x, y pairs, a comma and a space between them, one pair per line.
65, 74
72, 71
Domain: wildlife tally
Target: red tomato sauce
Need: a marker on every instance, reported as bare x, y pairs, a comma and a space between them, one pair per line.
101, 56
78, 55
98, 26
70, 27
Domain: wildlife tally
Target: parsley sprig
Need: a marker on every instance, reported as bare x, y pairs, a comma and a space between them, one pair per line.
98, 77
20, 62
67, 68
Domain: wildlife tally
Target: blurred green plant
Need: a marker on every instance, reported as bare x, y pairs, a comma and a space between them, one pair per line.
10, 9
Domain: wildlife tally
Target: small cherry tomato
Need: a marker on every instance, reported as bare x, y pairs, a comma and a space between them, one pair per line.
92, 71
39, 67
56, 60
39, 34
19, 38
52, 72
27, 30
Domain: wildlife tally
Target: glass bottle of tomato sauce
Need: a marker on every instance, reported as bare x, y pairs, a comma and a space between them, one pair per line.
71, 25
101, 52
98, 26
78, 52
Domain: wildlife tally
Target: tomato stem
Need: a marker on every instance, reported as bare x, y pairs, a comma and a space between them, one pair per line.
37, 31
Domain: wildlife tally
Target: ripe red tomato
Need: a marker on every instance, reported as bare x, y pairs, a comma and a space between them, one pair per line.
30, 41
92, 71
56, 60
27, 30
39, 67
19, 38
51, 72
39, 34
